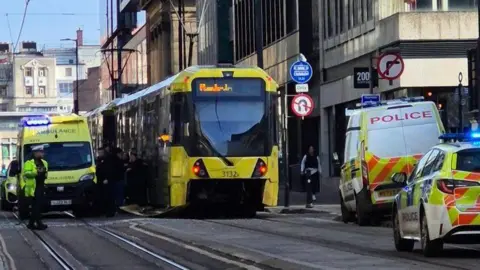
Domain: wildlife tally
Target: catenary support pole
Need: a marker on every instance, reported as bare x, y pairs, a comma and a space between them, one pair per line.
77, 85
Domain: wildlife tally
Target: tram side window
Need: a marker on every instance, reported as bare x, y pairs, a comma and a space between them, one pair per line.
180, 118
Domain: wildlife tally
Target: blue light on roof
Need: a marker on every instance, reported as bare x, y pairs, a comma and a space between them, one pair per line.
475, 135
36, 121
452, 136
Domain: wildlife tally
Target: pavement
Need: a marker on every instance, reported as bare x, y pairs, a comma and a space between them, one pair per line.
311, 240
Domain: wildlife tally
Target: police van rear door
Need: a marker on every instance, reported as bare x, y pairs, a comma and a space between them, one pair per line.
385, 151
421, 128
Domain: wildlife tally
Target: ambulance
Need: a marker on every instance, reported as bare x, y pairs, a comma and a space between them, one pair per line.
71, 180
383, 138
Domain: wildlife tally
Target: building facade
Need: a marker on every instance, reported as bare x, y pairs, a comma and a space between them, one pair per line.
89, 93
432, 36
66, 70
6, 76
135, 63
34, 81
118, 24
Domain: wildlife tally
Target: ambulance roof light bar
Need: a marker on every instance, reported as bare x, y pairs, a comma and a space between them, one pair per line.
38, 120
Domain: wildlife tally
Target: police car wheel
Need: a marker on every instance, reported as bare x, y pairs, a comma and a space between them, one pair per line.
430, 248
401, 244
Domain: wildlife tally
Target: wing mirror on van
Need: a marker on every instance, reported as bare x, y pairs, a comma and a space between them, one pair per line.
399, 177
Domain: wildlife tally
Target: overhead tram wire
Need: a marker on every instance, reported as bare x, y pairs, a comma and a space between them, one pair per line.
27, 2
54, 14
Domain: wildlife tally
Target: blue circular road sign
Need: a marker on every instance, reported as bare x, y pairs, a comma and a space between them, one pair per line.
301, 72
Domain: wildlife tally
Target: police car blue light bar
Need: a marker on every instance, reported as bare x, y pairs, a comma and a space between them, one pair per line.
36, 121
472, 136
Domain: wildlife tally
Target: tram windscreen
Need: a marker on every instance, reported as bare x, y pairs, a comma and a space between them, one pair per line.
230, 117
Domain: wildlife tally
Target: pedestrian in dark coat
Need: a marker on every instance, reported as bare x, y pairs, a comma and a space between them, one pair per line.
137, 180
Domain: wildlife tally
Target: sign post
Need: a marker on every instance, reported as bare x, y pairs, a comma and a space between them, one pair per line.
302, 104
390, 66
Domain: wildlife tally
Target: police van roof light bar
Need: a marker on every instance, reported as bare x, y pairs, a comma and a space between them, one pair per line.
390, 102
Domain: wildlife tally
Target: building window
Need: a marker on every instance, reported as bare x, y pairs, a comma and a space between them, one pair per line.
3, 107
330, 17
42, 72
5, 149
355, 12
3, 91
342, 17
28, 72
68, 72
424, 5
41, 90
369, 10
29, 90
65, 88
70, 61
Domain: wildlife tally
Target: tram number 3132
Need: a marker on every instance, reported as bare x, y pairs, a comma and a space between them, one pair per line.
232, 174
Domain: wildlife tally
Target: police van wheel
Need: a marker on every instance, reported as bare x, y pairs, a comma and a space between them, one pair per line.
363, 219
430, 248
347, 216
401, 244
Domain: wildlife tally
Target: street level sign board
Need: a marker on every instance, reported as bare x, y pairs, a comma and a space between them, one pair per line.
390, 66
302, 105
368, 99
361, 78
301, 72
301, 88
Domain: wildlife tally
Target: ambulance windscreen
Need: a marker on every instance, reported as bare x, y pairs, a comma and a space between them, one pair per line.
403, 131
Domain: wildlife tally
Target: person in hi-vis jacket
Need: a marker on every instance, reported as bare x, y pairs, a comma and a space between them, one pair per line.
35, 172
312, 161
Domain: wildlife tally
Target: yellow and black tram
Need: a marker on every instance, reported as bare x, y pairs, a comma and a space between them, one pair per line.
209, 133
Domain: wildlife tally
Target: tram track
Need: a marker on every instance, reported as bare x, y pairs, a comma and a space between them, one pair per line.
55, 251
338, 245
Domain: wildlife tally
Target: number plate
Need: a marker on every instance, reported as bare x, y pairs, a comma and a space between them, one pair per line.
232, 174
61, 202
388, 193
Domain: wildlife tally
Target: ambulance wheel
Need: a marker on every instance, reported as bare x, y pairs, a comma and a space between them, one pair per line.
430, 248
363, 218
6, 206
401, 244
347, 216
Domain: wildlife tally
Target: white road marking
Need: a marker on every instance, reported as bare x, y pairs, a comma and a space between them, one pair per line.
168, 261
11, 262
195, 249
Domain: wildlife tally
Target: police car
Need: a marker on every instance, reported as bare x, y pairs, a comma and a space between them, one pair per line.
440, 200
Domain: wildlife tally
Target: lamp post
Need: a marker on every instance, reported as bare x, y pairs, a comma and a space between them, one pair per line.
75, 98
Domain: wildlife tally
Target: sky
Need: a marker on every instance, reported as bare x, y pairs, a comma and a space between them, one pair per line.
45, 24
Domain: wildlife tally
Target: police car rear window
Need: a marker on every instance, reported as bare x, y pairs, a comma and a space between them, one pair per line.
468, 160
